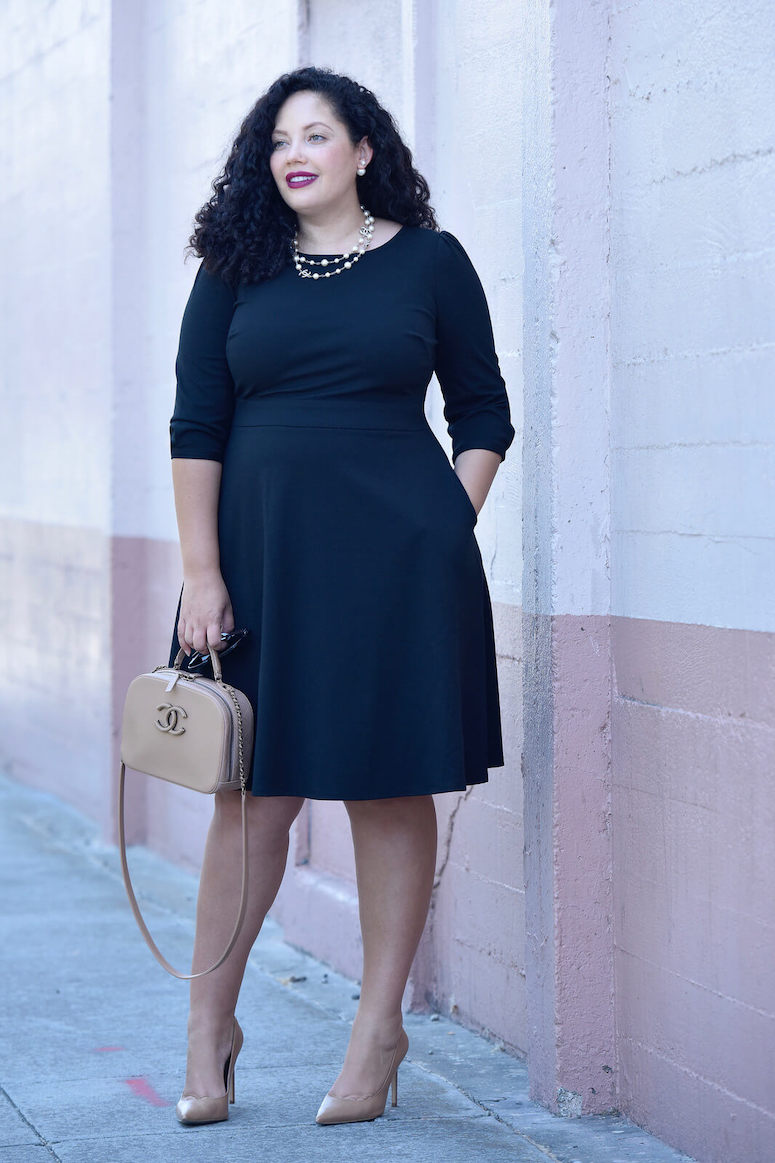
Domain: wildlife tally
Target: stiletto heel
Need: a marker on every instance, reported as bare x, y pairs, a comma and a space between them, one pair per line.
230, 1068
193, 1109
358, 1110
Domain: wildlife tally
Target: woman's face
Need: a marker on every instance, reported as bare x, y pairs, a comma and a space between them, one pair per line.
309, 141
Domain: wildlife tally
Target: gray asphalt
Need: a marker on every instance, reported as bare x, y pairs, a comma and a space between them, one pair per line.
93, 1034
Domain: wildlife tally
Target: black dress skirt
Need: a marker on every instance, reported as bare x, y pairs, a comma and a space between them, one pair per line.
347, 540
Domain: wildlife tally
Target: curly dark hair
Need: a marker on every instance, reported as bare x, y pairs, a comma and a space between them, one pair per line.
244, 231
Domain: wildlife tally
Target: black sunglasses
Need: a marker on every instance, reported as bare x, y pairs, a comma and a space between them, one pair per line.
230, 639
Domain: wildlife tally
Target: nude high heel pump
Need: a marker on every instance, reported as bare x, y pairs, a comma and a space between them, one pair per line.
193, 1109
359, 1109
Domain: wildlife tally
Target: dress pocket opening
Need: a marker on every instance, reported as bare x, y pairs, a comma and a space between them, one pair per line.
465, 495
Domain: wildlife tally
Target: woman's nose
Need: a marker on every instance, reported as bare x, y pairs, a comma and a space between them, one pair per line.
296, 151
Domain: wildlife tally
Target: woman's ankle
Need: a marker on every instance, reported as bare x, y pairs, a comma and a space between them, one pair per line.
378, 1023
209, 1025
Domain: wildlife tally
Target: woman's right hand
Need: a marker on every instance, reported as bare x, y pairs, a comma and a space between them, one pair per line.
205, 610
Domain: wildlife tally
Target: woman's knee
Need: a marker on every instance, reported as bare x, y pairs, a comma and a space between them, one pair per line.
273, 815
393, 807
388, 801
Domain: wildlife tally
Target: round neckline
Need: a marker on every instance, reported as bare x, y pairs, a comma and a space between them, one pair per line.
375, 250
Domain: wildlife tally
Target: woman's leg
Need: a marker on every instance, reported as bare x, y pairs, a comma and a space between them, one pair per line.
395, 862
214, 997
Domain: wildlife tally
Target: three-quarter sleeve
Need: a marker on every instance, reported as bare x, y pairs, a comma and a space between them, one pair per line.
476, 406
204, 398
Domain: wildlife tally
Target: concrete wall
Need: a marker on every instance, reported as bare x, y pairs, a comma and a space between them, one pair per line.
55, 235
649, 652
692, 254
566, 758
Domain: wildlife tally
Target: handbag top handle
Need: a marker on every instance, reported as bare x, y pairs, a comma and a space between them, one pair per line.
217, 672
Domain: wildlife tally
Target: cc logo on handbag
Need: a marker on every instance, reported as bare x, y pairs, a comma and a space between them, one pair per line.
169, 721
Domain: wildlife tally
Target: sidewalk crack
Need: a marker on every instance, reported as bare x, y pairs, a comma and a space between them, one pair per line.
488, 1110
41, 1141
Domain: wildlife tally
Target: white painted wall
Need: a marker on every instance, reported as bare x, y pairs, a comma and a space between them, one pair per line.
474, 127
55, 380
692, 319
692, 262
55, 240
565, 165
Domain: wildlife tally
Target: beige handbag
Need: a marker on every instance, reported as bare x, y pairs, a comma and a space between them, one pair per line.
193, 731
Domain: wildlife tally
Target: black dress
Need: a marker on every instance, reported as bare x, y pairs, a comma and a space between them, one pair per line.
347, 540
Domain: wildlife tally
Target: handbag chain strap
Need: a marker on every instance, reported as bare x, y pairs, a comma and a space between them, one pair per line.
240, 751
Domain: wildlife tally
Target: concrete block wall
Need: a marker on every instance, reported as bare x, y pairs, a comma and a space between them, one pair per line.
649, 647
692, 148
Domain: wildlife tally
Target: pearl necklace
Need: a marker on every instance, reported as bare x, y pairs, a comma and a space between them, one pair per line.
348, 260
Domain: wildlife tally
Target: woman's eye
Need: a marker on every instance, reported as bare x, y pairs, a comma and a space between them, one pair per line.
320, 135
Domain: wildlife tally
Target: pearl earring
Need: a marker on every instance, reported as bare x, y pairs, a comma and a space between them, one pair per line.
361, 170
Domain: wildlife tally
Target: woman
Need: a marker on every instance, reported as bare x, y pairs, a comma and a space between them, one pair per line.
317, 509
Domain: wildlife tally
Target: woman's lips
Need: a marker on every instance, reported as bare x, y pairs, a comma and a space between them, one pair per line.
295, 181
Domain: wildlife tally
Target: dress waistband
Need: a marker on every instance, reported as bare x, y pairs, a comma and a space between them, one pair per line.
357, 411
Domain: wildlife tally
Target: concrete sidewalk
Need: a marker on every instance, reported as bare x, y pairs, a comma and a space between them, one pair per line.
93, 1034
